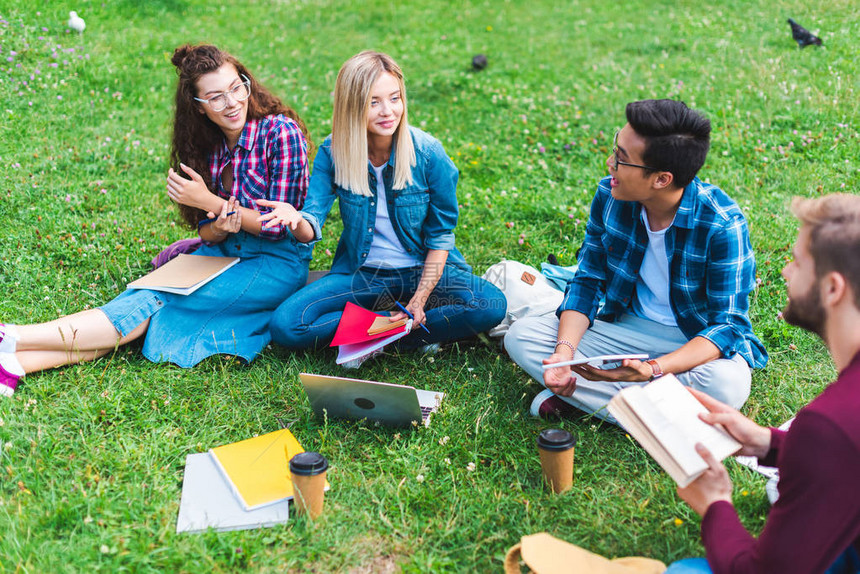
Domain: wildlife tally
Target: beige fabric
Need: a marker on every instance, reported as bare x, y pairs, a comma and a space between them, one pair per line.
526, 290
544, 554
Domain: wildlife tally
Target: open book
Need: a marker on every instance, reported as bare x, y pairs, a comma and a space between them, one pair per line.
663, 417
185, 274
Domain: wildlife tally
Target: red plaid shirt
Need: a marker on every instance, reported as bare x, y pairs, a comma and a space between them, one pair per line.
270, 161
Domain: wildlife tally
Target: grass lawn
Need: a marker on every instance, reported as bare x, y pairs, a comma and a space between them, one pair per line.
92, 456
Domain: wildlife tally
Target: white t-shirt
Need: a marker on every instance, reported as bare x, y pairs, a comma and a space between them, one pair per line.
386, 249
652, 286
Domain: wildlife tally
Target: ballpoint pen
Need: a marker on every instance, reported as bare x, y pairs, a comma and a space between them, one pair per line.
408, 314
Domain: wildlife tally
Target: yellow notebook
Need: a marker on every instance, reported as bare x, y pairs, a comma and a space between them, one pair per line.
256, 468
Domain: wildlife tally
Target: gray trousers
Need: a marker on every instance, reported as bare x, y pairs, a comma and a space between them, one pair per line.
532, 339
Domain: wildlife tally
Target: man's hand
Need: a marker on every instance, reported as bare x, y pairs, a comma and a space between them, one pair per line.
754, 438
713, 485
559, 380
630, 371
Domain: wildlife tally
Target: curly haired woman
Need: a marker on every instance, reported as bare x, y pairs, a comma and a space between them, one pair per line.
234, 145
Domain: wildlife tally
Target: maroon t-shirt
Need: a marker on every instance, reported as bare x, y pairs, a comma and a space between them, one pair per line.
817, 516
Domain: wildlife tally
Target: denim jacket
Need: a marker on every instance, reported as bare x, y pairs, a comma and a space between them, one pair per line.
423, 214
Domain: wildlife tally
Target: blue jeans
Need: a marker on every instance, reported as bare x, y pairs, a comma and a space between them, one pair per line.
689, 566
462, 305
847, 563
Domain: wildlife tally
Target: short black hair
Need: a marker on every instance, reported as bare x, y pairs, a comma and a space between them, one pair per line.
676, 138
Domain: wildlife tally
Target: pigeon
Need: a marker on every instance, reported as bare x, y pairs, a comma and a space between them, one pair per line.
76, 23
479, 62
802, 36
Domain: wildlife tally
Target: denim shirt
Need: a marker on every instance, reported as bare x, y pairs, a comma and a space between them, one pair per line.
423, 214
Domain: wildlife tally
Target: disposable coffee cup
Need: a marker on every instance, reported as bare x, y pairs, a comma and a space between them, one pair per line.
308, 470
556, 458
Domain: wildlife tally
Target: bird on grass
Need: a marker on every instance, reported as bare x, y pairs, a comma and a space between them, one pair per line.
76, 23
479, 62
802, 36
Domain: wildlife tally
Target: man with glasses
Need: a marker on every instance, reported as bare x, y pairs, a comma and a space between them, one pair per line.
665, 270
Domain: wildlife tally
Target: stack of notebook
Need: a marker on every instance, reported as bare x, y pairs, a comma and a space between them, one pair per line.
239, 486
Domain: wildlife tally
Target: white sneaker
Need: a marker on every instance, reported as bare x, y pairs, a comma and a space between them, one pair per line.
8, 338
10, 373
356, 363
548, 405
430, 348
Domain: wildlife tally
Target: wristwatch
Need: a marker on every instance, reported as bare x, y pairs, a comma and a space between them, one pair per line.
657, 372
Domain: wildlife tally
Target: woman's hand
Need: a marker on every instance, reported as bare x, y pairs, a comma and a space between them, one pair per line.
416, 307
193, 192
282, 213
754, 438
228, 221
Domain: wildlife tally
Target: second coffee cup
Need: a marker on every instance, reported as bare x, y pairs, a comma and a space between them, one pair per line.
308, 471
556, 448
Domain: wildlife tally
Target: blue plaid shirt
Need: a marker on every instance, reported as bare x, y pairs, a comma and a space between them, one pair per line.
711, 267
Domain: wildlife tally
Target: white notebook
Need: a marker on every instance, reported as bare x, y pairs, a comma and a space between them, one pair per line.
209, 502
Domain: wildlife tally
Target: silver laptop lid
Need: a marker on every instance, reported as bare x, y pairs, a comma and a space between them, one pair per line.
394, 405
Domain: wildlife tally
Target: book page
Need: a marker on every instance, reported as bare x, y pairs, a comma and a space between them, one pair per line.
622, 412
382, 324
671, 414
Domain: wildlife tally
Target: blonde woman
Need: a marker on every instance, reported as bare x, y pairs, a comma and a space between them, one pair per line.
396, 188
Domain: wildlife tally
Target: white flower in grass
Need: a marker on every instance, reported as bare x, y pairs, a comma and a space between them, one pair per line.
419, 479
447, 461
444, 440
470, 467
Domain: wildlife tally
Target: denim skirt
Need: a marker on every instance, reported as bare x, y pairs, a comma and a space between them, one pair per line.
229, 315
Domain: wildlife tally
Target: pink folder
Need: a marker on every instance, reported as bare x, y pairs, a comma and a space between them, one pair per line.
354, 324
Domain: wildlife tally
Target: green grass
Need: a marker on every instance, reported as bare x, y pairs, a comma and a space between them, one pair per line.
92, 455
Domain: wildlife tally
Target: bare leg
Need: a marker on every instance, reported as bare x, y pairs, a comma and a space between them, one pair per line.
33, 361
85, 331
80, 337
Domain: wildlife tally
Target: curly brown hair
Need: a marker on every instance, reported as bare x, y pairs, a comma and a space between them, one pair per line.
195, 136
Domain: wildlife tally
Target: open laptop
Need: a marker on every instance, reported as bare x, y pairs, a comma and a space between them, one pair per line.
393, 405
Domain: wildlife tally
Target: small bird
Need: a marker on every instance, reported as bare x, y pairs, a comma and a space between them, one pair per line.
802, 36
479, 62
76, 23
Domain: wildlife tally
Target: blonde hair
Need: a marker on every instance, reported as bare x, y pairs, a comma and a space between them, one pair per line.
834, 235
349, 123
